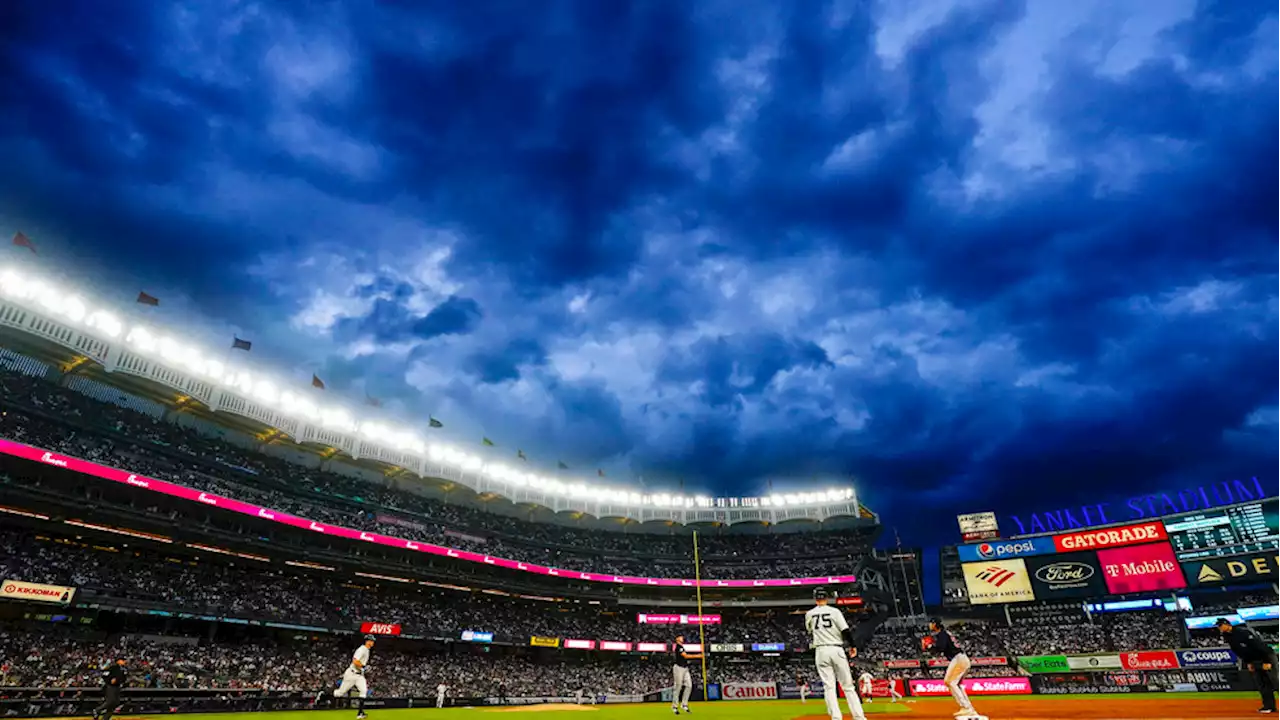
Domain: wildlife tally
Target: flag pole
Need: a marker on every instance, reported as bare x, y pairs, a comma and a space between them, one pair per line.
702, 626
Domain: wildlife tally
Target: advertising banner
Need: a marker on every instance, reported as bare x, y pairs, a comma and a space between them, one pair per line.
938, 662
615, 645
372, 628
728, 647
1255, 568
580, 644
978, 526
750, 691
1066, 576
1149, 660
880, 688
974, 686
1266, 612
1006, 549
901, 664
37, 592
476, 636
1207, 621
1044, 663
1147, 532
538, 641
989, 661
998, 581
652, 619
1094, 662
1206, 657
768, 647
652, 647
1141, 568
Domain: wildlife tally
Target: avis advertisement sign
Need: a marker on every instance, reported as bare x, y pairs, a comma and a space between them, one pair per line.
974, 686
1111, 537
372, 628
1149, 660
1141, 568
750, 691
36, 592
1005, 549
1206, 657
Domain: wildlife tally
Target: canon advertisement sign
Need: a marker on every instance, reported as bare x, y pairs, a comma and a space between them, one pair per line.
750, 691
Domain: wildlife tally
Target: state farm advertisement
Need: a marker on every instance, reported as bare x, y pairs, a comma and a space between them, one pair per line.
751, 691
901, 664
880, 688
1111, 537
1141, 568
1149, 660
974, 686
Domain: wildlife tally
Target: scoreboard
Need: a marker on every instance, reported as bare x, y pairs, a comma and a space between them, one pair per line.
1236, 530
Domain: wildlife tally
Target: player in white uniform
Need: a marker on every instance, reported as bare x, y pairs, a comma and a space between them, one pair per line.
803, 685
865, 682
894, 695
354, 676
441, 689
828, 632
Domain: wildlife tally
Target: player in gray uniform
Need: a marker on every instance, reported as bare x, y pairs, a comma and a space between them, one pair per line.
682, 682
828, 632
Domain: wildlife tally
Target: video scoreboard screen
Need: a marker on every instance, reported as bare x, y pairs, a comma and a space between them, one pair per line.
1220, 532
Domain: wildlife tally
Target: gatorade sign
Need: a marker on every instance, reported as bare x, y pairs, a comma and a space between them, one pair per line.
1111, 537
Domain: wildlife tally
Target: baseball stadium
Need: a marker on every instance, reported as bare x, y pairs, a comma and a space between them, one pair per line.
222, 545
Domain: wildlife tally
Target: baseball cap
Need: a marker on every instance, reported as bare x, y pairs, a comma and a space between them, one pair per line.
821, 593
1220, 622
370, 638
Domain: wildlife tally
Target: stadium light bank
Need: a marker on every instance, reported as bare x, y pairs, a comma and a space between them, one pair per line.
72, 308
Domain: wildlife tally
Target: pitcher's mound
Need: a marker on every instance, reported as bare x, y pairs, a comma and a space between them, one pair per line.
544, 707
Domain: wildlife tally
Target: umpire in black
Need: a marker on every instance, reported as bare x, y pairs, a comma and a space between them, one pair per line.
113, 681
1256, 656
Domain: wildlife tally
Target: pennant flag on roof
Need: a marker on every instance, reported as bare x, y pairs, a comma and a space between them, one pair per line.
238, 344
432, 422
316, 382
145, 299
560, 464
487, 442
21, 240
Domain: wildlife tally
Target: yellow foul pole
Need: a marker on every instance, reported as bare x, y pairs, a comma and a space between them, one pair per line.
702, 630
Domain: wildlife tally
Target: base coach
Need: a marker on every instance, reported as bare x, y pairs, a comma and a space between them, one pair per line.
113, 681
1257, 657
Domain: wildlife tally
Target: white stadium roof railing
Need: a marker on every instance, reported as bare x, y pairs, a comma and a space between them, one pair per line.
66, 317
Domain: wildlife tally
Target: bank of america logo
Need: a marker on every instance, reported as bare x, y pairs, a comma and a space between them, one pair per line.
996, 576
1208, 574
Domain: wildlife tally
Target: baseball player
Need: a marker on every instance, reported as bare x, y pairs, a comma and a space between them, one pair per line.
682, 682
894, 695
441, 689
804, 689
354, 676
945, 645
113, 681
865, 682
577, 696
828, 632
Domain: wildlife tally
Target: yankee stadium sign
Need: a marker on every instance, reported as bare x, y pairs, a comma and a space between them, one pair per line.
1142, 507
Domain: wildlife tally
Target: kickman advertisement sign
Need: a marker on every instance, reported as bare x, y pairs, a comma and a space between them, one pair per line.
998, 581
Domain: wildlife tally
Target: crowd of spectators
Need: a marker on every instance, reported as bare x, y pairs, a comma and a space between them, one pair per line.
57, 418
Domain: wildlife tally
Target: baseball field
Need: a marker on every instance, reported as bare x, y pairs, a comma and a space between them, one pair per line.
1191, 706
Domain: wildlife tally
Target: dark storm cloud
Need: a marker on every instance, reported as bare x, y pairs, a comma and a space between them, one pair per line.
990, 255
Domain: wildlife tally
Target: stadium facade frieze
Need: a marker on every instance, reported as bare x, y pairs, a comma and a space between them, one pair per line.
61, 316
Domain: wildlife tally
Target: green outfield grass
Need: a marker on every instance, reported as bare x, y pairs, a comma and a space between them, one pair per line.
740, 710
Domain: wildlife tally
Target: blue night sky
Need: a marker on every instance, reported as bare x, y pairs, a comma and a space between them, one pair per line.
978, 255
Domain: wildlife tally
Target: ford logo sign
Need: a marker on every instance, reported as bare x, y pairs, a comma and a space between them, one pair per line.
1061, 573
